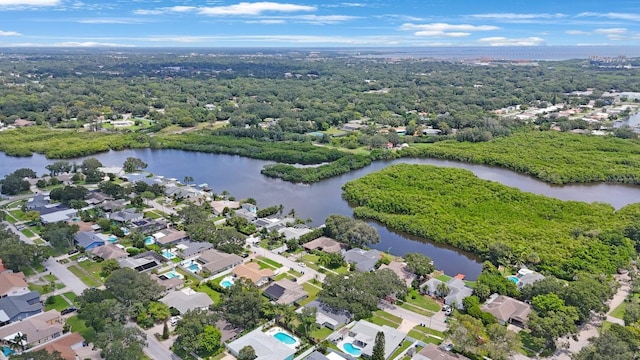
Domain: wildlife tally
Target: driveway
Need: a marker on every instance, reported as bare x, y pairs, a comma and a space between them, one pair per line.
65, 276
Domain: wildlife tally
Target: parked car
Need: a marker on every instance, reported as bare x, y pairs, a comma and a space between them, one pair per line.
82, 258
174, 320
68, 310
74, 251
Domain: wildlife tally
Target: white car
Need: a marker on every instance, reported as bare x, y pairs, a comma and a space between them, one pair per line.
82, 258
301, 264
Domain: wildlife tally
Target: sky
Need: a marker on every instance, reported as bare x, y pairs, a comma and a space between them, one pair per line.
309, 23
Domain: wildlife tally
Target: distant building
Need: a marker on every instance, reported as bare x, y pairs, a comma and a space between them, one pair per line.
325, 244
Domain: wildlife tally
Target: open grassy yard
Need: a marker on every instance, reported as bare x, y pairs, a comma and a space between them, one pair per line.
312, 290
381, 317
404, 346
422, 301
79, 326
321, 333
71, 296
92, 267
271, 263
59, 303
214, 295
86, 278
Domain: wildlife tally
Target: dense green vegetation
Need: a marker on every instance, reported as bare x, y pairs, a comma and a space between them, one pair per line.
554, 157
494, 221
63, 144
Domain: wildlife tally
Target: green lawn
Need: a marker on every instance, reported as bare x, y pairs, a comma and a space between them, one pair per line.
71, 296
214, 295
321, 333
618, 312
405, 345
59, 303
27, 233
274, 264
381, 317
42, 289
78, 325
422, 301
17, 214
444, 277
92, 267
312, 290
86, 278
529, 347
311, 261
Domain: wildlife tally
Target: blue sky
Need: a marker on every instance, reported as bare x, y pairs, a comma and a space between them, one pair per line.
308, 23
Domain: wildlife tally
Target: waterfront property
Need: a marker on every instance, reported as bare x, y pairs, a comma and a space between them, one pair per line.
364, 260
458, 290
400, 268
325, 244
507, 310
266, 347
362, 336
525, 277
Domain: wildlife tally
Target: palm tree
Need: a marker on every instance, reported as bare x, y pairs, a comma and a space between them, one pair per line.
20, 340
292, 213
443, 290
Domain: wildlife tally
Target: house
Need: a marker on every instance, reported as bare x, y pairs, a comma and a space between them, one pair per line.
14, 308
143, 262
250, 207
219, 206
146, 226
434, 352
38, 201
13, 284
89, 239
458, 290
252, 272
216, 262
96, 197
187, 248
527, 277
266, 346
113, 170
285, 292
126, 215
58, 213
65, 345
400, 268
325, 244
169, 284
23, 123
246, 214
364, 336
109, 251
169, 236
294, 232
329, 317
114, 205
187, 299
316, 356
365, 260
507, 310
38, 329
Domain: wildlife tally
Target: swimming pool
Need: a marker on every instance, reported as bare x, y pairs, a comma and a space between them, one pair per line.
226, 282
113, 239
172, 274
7, 350
194, 267
352, 349
168, 254
284, 338
149, 240
513, 279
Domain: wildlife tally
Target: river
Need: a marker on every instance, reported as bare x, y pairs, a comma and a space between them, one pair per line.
241, 178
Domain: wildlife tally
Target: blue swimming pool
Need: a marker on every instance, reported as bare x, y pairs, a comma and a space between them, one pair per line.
113, 239
352, 349
513, 279
171, 275
168, 254
149, 240
226, 283
284, 338
7, 350
194, 267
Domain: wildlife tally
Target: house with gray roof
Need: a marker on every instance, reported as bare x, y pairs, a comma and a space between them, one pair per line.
316, 356
38, 329
458, 290
327, 316
285, 292
215, 261
38, 201
527, 277
54, 214
114, 205
188, 248
365, 260
109, 251
507, 310
266, 346
14, 308
434, 352
187, 299
143, 262
364, 336
89, 239
126, 215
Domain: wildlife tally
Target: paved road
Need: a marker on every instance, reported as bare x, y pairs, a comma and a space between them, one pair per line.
156, 351
435, 322
165, 209
65, 276
22, 236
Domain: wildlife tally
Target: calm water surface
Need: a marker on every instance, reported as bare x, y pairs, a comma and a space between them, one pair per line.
241, 177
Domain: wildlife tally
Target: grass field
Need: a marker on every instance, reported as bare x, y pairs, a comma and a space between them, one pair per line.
71, 296
214, 295
381, 317
87, 279
416, 299
78, 325
270, 262
59, 303
312, 290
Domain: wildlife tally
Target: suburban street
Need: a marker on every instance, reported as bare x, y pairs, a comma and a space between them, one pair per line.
65, 276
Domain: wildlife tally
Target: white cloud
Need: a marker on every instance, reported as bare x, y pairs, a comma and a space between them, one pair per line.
166, 10
255, 8
282, 39
577, 32
503, 41
441, 33
515, 16
346, 4
612, 15
447, 27
9, 33
324, 19
611, 31
111, 21
73, 44
29, 2
266, 21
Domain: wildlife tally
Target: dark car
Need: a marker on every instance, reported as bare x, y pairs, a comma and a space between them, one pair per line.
74, 251
68, 310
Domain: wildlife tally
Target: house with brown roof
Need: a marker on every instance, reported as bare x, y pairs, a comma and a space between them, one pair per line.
216, 262
23, 123
218, 206
38, 328
169, 236
507, 310
251, 271
109, 251
13, 284
169, 284
325, 244
66, 346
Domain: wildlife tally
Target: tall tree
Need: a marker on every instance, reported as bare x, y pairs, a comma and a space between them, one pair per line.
121, 343
247, 353
419, 264
378, 347
129, 287
132, 164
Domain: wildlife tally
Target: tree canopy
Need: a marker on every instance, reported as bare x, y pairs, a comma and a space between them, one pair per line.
349, 231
